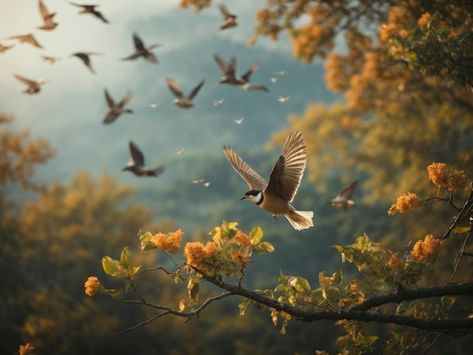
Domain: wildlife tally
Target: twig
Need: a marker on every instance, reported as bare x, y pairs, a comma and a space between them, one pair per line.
141, 324
459, 257
464, 211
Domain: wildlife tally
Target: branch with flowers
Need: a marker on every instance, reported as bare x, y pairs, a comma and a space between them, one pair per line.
384, 292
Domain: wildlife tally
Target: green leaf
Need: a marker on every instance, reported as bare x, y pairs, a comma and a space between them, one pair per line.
146, 243
256, 235
110, 266
461, 230
193, 290
300, 284
125, 257
113, 292
264, 247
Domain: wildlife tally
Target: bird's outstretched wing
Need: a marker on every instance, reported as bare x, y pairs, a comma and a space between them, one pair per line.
347, 192
224, 11
288, 170
174, 87
24, 80
221, 63
125, 100
109, 99
252, 178
43, 10
139, 45
136, 154
247, 75
196, 90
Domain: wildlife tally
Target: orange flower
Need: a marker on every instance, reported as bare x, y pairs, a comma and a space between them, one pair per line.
404, 203
424, 250
456, 180
195, 253
425, 19
26, 349
242, 239
92, 286
170, 242
438, 174
394, 261
241, 256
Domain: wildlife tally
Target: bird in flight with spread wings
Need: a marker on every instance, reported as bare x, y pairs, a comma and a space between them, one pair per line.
114, 109
136, 164
229, 19
32, 86
181, 100
141, 51
277, 195
90, 9
343, 199
48, 17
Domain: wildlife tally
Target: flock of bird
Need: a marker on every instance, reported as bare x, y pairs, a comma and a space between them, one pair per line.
274, 196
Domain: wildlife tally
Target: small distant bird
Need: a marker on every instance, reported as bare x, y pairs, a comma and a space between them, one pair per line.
3, 48
217, 102
33, 86
181, 100
343, 199
49, 59
239, 121
202, 182
274, 80
142, 51
115, 110
181, 151
279, 73
283, 99
48, 17
90, 9
276, 195
155, 105
85, 58
137, 162
229, 20
28, 38
229, 75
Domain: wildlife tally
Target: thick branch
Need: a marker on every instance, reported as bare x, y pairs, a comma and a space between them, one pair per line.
409, 295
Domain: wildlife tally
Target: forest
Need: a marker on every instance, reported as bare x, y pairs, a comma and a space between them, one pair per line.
355, 239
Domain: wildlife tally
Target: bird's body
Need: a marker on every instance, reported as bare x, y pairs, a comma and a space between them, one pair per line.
33, 86
48, 18
229, 19
181, 100
50, 59
343, 199
91, 10
85, 58
277, 195
229, 75
116, 110
137, 162
141, 51
28, 39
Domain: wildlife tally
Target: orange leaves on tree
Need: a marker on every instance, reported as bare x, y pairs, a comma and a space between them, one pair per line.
405, 203
426, 249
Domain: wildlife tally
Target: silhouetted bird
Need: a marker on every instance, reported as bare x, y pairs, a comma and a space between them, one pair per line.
276, 195
3, 48
33, 86
202, 182
28, 38
90, 9
229, 75
85, 58
49, 59
343, 199
137, 163
142, 51
181, 100
48, 17
229, 20
115, 110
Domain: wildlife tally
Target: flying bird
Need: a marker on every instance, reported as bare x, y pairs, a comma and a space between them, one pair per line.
48, 17
85, 58
274, 79
202, 182
155, 105
33, 86
279, 72
142, 51
136, 164
115, 110
283, 99
276, 195
28, 38
217, 102
181, 151
3, 48
90, 9
239, 121
181, 100
229, 20
229, 76
50, 59
343, 199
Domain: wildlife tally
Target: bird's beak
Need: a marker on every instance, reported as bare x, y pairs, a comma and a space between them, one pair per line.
243, 197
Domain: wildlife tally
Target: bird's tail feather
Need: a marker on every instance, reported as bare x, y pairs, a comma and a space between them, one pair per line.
300, 219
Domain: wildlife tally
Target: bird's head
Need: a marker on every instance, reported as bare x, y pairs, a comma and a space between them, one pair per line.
254, 196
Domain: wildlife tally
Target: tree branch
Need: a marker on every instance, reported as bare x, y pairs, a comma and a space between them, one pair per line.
465, 211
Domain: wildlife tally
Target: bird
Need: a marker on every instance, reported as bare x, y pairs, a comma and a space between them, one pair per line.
343, 199
50, 59
229, 20
283, 99
90, 9
202, 182
4, 48
142, 51
239, 121
181, 151
33, 86
279, 72
181, 100
85, 58
277, 195
115, 110
137, 162
48, 17
229, 76
274, 79
28, 38
217, 102
155, 105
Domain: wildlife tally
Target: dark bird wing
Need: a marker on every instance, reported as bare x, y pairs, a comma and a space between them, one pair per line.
221, 63
288, 170
196, 90
109, 99
24, 80
247, 75
252, 178
347, 192
99, 15
258, 88
43, 10
224, 11
174, 87
125, 100
84, 57
136, 154
139, 45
